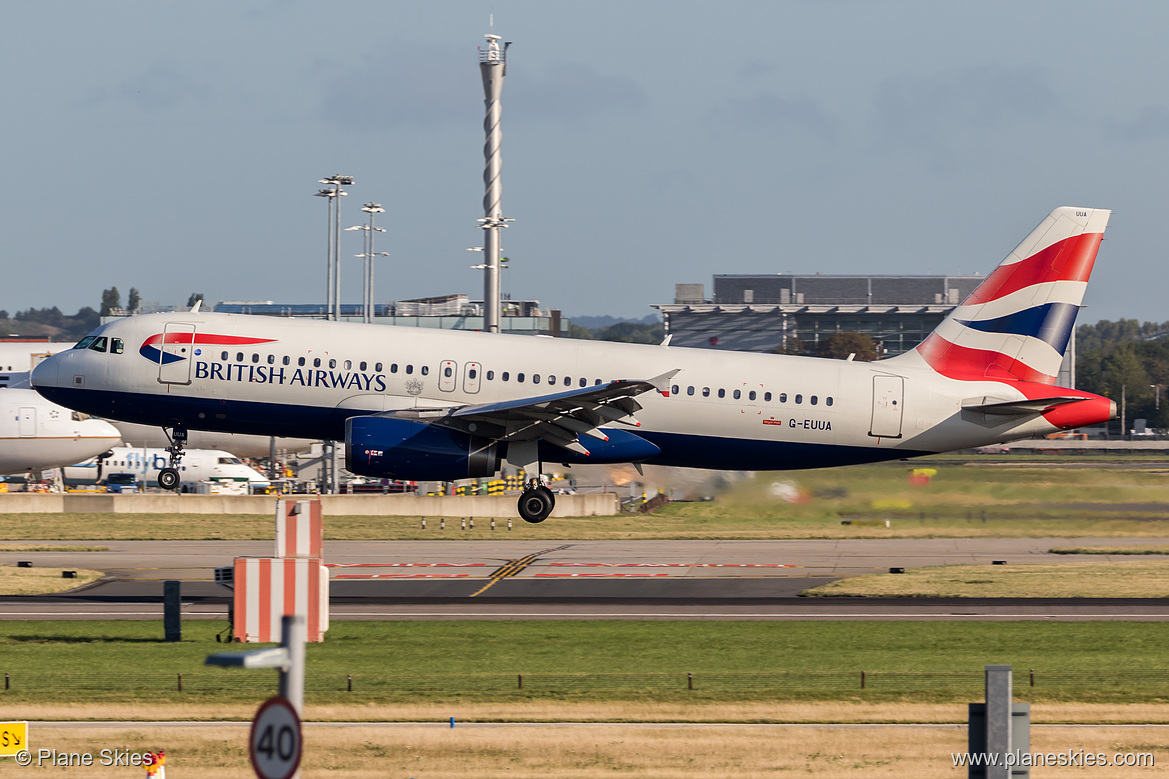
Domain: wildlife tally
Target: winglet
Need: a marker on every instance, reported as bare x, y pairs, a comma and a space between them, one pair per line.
198, 304
662, 383
666, 340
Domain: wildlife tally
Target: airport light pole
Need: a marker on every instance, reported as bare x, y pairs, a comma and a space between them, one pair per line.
368, 255
333, 305
333, 195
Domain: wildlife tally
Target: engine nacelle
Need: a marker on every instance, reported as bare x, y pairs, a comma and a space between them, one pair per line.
389, 448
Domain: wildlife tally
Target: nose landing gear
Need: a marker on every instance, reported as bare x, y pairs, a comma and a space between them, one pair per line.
168, 478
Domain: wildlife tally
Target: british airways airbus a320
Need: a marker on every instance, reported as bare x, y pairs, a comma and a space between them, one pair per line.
419, 404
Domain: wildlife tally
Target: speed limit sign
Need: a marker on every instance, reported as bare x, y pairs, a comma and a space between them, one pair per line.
275, 743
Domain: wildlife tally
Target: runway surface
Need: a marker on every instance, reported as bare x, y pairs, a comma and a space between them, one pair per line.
505, 579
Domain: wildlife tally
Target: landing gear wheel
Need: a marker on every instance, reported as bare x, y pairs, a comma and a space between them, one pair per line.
551, 496
535, 504
168, 478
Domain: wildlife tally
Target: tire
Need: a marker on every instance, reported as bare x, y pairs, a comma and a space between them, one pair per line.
168, 478
535, 505
551, 497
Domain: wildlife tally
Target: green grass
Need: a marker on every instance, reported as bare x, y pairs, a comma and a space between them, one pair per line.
85, 662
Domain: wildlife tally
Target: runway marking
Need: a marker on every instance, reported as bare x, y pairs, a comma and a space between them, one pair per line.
513, 567
676, 565
401, 576
602, 575
406, 565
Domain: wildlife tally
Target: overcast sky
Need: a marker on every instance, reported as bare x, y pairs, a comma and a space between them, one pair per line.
176, 147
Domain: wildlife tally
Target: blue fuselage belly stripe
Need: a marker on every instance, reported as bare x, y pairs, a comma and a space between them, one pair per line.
246, 417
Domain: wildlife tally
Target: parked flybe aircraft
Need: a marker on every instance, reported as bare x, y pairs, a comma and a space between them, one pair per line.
146, 463
36, 434
439, 405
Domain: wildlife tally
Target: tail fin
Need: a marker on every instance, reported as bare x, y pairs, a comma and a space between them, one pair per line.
1017, 323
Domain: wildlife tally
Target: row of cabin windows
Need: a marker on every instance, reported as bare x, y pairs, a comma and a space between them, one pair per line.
473, 373
331, 364
100, 343
753, 395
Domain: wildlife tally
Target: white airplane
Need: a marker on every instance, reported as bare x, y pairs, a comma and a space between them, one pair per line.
419, 404
146, 463
37, 434
254, 446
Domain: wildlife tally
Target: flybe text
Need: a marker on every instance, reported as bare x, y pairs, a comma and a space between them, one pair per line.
303, 377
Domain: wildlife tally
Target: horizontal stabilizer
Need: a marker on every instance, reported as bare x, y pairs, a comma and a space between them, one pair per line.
1020, 407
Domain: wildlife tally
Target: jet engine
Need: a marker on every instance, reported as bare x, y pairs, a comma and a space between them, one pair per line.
389, 448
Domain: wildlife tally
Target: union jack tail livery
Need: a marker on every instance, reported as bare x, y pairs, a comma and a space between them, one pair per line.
1017, 323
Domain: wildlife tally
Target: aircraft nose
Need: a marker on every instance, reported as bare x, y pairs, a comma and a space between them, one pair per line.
45, 374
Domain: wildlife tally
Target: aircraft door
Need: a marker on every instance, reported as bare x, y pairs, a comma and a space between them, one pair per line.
176, 353
472, 377
448, 375
28, 421
888, 394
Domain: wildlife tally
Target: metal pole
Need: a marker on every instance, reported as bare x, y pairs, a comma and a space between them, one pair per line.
492, 68
336, 312
292, 677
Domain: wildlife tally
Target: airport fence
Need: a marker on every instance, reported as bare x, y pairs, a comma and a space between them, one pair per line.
1150, 683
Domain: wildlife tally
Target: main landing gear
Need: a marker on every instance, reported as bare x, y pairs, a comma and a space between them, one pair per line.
536, 501
168, 478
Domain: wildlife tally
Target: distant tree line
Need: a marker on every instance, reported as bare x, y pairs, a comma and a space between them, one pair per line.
1130, 358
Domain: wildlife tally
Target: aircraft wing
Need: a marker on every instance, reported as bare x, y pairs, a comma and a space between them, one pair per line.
559, 418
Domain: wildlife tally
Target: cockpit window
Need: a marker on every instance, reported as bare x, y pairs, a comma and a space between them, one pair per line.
85, 342
99, 344
230, 461
117, 345
77, 416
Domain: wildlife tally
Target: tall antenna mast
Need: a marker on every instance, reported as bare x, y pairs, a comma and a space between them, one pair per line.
492, 67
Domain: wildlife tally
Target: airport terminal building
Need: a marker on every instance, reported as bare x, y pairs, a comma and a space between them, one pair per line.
768, 312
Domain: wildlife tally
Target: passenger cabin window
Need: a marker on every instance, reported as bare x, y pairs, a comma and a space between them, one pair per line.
722, 393
361, 366
738, 394
767, 397
783, 397
491, 375
706, 392
583, 382
300, 361
551, 379
425, 370
674, 389
223, 356
117, 346
348, 365
255, 357
378, 368
316, 362
799, 398
271, 359
535, 378
813, 400
828, 401
409, 369
504, 376
471, 373
690, 390
393, 367
567, 382
751, 395
332, 364
519, 377
286, 360
448, 372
